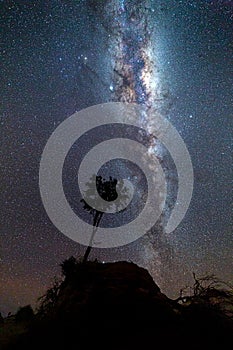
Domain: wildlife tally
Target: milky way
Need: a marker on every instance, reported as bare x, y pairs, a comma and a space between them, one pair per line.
136, 79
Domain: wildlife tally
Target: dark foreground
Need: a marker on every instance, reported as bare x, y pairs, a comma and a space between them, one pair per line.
118, 306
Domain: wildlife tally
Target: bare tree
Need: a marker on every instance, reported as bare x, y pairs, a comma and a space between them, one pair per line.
209, 290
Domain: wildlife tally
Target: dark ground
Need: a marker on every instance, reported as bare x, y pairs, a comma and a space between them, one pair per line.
117, 306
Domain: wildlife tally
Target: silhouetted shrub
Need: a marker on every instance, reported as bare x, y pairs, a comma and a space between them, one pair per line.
48, 300
24, 314
68, 267
209, 292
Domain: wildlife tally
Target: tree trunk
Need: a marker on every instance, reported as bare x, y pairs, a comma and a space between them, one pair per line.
96, 222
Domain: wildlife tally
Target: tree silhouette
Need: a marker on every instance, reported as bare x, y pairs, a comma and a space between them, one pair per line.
68, 267
211, 291
49, 299
107, 191
25, 314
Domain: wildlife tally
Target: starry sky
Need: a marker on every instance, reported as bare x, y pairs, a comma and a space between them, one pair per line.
58, 57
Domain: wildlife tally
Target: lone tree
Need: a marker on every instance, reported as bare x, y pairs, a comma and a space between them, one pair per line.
107, 191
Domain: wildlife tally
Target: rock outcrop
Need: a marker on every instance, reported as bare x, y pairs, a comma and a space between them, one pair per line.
118, 306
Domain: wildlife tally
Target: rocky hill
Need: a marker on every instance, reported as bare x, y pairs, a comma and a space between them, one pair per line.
118, 306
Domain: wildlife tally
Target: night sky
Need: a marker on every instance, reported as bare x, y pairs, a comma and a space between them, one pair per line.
58, 57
